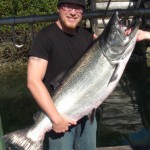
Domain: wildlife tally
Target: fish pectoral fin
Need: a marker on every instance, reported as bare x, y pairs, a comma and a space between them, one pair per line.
114, 75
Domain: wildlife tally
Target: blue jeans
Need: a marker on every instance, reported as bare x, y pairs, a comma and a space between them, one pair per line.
79, 137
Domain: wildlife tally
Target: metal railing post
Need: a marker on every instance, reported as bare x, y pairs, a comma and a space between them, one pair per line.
2, 146
93, 21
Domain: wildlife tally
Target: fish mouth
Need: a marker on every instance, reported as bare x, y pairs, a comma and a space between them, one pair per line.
129, 32
116, 40
128, 28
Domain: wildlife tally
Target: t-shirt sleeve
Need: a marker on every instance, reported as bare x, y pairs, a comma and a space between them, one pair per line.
41, 47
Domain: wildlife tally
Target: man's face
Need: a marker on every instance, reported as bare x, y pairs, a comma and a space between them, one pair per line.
70, 15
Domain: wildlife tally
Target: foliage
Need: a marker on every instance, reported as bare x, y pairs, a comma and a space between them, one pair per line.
17, 8
9, 52
22, 32
28, 7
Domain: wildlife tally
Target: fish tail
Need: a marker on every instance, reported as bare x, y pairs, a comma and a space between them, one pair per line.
20, 140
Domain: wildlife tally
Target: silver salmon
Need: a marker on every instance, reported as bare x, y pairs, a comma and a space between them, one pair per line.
87, 84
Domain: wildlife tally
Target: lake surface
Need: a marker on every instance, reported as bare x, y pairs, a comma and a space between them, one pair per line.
123, 119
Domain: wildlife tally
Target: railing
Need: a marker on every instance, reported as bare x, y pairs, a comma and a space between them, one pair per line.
12, 21
88, 15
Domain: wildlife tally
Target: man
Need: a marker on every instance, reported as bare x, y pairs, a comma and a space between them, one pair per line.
55, 49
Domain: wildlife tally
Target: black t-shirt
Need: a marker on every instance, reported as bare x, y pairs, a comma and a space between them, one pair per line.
61, 50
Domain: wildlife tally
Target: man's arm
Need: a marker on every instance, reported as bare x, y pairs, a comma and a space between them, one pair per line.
35, 74
143, 35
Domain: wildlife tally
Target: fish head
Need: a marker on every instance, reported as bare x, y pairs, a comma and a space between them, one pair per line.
115, 43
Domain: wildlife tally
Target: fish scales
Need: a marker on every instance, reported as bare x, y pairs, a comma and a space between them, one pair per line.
87, 84
83, 86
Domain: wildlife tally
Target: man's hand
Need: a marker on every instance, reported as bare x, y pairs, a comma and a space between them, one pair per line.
143, 35
62, 124
95, 36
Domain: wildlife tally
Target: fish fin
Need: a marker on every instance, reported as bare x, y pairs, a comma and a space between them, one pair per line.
92, 115
114, 75
20, 141
36, 116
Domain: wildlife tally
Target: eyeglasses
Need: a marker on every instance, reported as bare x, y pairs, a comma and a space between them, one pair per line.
70, 7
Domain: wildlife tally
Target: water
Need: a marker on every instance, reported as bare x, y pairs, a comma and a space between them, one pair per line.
16, 103
125, 114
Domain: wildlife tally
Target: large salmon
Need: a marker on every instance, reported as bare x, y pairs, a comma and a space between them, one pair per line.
87, 84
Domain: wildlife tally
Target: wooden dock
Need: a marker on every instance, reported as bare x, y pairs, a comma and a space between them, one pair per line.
115, 148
